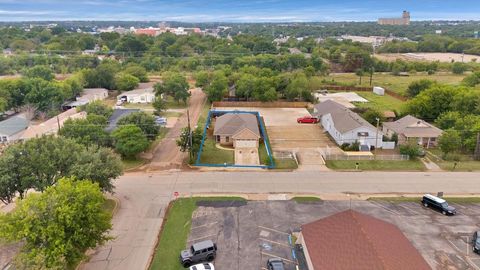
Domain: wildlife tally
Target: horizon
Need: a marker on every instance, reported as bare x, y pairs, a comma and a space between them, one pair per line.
229, 11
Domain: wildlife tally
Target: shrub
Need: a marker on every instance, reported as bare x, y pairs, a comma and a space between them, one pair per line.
412, 150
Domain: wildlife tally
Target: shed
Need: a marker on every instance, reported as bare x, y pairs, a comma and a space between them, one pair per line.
379, 91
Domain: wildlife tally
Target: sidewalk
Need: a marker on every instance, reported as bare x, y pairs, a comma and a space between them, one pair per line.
430, 165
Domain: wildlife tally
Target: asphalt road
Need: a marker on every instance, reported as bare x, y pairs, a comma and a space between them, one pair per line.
143, 198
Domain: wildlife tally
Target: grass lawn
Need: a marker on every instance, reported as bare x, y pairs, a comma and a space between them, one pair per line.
171, 114
129, 164
306, 199
286, 164
213, 155
202, 119
174, 234
376, 165
459, 200
466, 163
172, 104
398, 84
140, 106
382, 103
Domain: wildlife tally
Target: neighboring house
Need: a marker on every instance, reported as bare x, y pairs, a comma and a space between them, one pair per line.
137, 96
239, 130
346, 126
52, 125
88, 95
412, 129
12, 128
117, 115
352, 240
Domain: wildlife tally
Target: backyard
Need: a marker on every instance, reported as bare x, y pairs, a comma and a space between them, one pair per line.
381, 103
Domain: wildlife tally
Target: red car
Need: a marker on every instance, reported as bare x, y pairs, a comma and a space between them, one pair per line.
308, 120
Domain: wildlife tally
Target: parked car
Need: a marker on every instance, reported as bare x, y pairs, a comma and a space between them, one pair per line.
308, 120
202, 266
200, 252
161, 121
438, 204
275, 264
476, 242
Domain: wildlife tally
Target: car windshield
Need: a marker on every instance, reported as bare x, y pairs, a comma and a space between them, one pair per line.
445, 205
477, 241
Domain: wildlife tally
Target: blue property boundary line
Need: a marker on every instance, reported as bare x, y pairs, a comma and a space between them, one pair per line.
262, 130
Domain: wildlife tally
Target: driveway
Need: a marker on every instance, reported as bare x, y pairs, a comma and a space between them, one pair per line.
247, 156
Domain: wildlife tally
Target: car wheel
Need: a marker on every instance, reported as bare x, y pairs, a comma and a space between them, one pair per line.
443, 212
210, 258
187, 264
425, 204
473, 249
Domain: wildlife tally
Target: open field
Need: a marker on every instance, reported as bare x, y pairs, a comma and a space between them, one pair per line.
431, 57
376, 165
398, 84
249, 233
381, 103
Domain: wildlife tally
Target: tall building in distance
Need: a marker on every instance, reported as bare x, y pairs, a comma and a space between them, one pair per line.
404, 20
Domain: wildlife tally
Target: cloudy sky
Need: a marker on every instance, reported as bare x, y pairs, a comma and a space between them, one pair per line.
236, 10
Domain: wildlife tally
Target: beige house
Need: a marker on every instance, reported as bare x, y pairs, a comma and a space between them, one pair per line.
239, 130
412, 129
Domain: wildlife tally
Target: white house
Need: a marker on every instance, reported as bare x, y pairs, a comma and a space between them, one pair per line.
88, 95
346, 126
146, 95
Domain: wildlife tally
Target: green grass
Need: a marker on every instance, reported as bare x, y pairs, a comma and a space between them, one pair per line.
398, 84
213, 155
140, 106
376, 165
171, 114
202, 119
306, 199
286, 164
172, 104
466, 163
129, 164
459, 200
381, 103
176, 228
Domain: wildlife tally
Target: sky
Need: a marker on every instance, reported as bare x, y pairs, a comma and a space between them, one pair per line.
236, 10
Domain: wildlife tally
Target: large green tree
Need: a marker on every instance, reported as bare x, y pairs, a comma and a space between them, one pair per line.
126, 82
144, 121
174, 85
130, 140
89, 131
57, 227
218, 87
42, 72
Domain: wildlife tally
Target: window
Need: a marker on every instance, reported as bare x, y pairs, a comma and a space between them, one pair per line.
362, 134
227, 139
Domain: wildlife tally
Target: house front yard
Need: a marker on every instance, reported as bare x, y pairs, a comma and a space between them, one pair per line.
465, 164
213, 155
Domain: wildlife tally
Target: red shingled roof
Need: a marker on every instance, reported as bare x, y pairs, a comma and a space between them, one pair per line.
351, 240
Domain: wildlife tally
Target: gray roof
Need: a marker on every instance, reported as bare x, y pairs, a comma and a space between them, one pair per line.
413, 127
117, 115
344, 119
13, 125
231, 123
203, 245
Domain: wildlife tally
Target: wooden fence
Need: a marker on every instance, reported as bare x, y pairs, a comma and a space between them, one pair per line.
276, 104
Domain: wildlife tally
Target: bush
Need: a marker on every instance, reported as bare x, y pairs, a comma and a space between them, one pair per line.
412, 150
459, 68
126, 82
354, 147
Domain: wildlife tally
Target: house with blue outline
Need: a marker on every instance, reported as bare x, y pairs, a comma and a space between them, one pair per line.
237, 130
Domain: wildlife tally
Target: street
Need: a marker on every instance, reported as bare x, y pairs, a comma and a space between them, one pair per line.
144, 196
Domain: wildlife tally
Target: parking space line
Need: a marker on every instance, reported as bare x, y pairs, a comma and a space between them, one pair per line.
472, 263
274, 242
385, 208
204, 225
410, 209
273, 256
196, 239
273, 230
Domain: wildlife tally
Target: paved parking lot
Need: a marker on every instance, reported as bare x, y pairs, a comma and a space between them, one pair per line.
248, 233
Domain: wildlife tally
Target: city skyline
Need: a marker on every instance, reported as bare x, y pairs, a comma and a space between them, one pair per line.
236, 11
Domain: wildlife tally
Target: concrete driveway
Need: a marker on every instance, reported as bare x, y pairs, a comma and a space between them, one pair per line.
247, 156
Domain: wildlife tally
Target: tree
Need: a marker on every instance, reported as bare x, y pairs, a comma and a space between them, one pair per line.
57, 226
472, 79
130, 141
90, 131
459, 68
411, 149
297, 86
417, 87
102, 76
126, 82
174, 85
42, 72
190, 143
359, 72
449, 142
144, 121
159, 105
431, 103
371, 115
202, 78
137, 71
15, 176
218, 87
44, 95
98, 108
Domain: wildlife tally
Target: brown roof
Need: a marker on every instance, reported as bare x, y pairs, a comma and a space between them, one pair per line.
344, 119
351, 240
232, 123
413, 127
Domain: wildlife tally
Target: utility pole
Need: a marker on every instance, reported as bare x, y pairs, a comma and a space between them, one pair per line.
476, 155
190, 140
376, 136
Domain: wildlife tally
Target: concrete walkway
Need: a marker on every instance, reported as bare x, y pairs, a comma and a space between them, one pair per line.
430, 165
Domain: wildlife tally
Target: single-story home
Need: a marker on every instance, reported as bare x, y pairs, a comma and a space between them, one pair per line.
52, 125
346, 126
412, 129
352, 240
146, 95
117, 115
88, 95
239, 130
12, 128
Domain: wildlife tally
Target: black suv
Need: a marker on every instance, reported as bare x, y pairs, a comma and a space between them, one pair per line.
476, 242
275, 264
204, 251
438, 204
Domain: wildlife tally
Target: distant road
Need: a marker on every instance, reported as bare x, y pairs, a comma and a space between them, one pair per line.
144, 197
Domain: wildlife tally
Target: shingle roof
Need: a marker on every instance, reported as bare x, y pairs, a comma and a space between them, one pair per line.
351, 240
51, 125
117, 115
231, 123
413, 127
343, 118
13, 125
